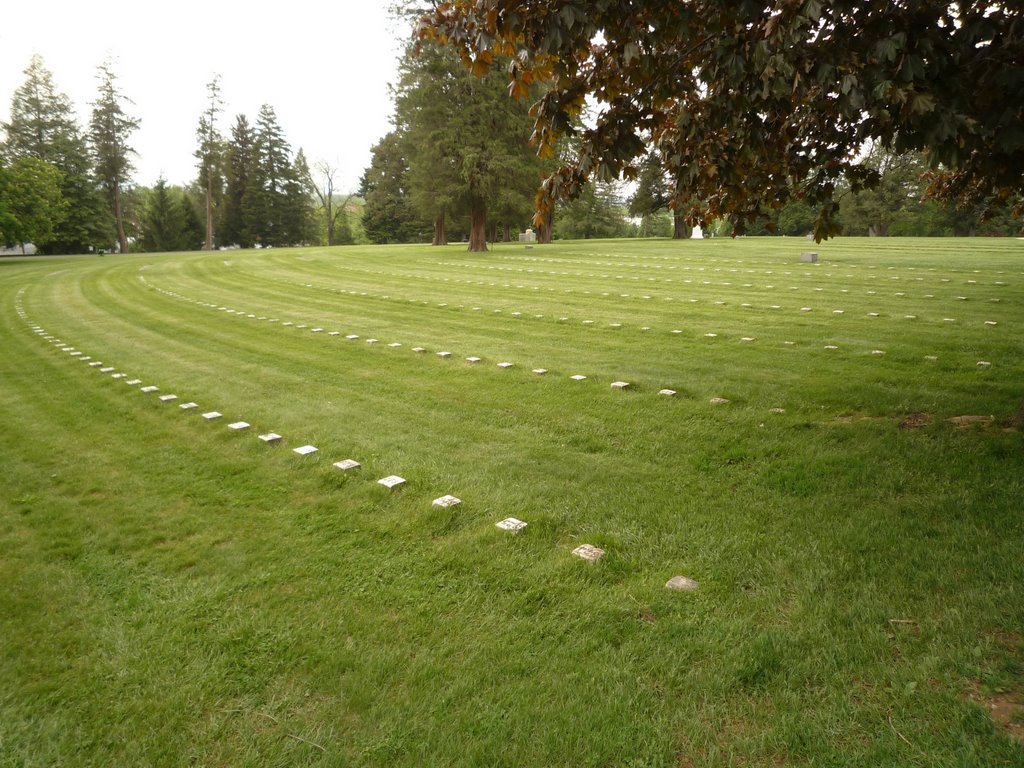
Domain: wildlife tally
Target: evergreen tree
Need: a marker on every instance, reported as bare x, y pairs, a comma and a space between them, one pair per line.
43, 126
597, 211
388, 215
210, 154
163, 220
265, 205
109, 131
238, 167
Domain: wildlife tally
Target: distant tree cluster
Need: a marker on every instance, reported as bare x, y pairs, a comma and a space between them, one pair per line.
70, 190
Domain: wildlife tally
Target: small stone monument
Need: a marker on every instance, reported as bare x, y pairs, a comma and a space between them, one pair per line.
511, 524
589, 552
681, 584
447, 501
305, 450
391, 481
809, 257
346, 464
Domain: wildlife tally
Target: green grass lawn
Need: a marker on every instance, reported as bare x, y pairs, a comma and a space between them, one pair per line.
178, 593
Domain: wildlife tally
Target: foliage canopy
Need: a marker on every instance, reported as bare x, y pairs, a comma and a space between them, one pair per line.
754, 103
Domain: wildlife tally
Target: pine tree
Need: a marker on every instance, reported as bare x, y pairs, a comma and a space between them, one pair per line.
388, 216
265, 205
43, 126
238, 167
163, 219
109, 131
210, 154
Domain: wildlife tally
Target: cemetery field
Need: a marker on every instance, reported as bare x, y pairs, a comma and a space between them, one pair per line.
179, 592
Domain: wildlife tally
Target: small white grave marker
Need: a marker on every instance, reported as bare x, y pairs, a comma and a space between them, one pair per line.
447, 501
395, 344
681, 584
667, 392
877, 352
984, 364
511, 524
371, 341
620, 385
119, 376
472, 359
334, 333
931, 358
346, 464
305, 450
150, 388
719, 401
540, 371
391, 481
578, 377
133, 382
589, 552
991, 322
288, 324
504, 365
418, 349
237, 425
747, 338
211, 415
444, 355
351, 337
168, 398
711, 335
270, 437
313, 330
188, 406
95, 364
776, 410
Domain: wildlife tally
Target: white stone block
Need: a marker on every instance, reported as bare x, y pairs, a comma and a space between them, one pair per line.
211, 415
238, 425
168, 398
95, 364
447, 501
511, 524
444, 355
334, 333
316, 330
472, 359
540, 371
620, 385
305, 450
589, 552
347, 464
394, 344
776, 410
288, 324
150, 388
133, 382
371, 341
270, 437
877, 352
578, 377
667, 392
719, 401
504, 365
984, 364
119, 375
748, 338
351, 337
681, 584
107, 369
391, 481
188, 406
991, 322
831, 346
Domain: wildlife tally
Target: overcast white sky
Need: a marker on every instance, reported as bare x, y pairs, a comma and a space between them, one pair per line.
323, 67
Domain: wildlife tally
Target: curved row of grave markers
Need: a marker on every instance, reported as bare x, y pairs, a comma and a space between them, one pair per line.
586, 552
504, 365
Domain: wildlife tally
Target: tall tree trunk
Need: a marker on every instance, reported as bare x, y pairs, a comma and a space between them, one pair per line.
330, 222
478, 228
544, 230
680, 229
209, 210
122, 240
440, 238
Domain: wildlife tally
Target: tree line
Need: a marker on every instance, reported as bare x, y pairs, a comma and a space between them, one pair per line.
69, 189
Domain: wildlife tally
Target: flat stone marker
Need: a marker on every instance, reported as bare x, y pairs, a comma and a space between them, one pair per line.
504, 365
334, 333
447, 502
711, 335
991, 322
418, 349
300, 327
806, 309
371, 341
872, 314
620, 385
168, 398
667, 392
511, 524
391, 481
346, 464
984, 364
444, 355
237, 425
877, 352
931, 358
578, 377
305, 450
75, 354
719, 401
681, 584
776, 410
133, 382
313, 330
589, 552
351, 337
540, 371
748, 338
188, 406
837, 311
150, 388
211, 415
288, 323
395, 344
831, 346
119, 376
85, 358
270, 437
95, 364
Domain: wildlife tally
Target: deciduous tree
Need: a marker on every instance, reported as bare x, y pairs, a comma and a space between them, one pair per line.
754, 103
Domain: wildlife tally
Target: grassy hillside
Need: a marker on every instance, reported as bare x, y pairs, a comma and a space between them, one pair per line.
177, 592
